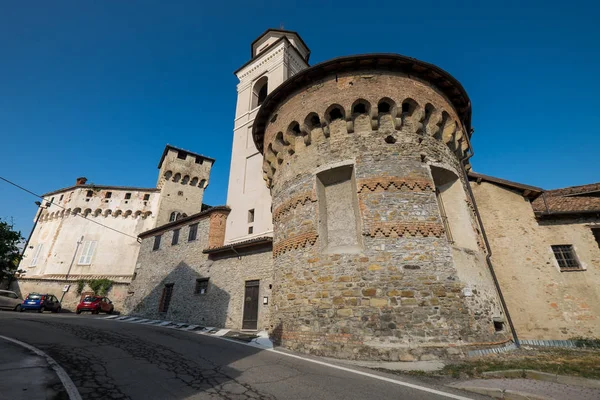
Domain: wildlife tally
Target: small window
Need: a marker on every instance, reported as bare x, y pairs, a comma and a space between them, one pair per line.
165, 299
175, 215
89, 246
127, 196
108, 195
52, 200
251, 216
565, 255
156, 242
61, 197
250, 230
336, 113
90, 193
193, 232
36, 254
201, 286
175, 237
146, 197
596, 233
199, 160
181, 155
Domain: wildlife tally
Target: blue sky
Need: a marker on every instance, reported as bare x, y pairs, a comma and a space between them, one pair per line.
97, 88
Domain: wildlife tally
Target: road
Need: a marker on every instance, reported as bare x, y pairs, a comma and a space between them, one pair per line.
117, 360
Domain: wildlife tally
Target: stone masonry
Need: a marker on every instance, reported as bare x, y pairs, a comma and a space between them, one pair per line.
182, 264
363, 264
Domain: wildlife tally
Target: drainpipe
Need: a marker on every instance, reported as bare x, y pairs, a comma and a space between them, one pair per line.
487, 244
236, 252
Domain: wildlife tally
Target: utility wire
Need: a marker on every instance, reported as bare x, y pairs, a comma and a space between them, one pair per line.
64, 208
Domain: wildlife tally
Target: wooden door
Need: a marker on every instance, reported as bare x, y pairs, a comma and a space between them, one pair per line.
250, 320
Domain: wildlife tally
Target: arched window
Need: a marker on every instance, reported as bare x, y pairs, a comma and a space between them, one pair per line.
260, 91
176, 215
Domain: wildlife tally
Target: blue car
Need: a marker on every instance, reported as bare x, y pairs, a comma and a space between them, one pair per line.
41, 303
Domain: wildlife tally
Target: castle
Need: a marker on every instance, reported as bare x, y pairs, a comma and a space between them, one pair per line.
355, 226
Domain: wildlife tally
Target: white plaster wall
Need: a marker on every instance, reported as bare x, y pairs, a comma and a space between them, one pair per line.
115, 253
247, 189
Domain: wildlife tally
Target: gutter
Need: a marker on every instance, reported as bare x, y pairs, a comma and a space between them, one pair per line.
488, 256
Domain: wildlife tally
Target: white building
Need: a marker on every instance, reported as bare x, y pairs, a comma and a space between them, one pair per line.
276, 55
90, 231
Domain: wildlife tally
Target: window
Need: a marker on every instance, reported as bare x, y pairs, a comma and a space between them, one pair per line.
199, 160
36, 254
165, 299
61, 197
89, 246
250, 230
181, 155
193, 232
251, 216
175, 215
175, 237
596, 233
156, 242
201, 286
260, 91
89, 193
108, 195
565, 255
127, 196
146, 197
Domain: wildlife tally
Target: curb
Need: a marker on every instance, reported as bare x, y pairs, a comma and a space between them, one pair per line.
66, 381
501, 394
260, 339
544, 376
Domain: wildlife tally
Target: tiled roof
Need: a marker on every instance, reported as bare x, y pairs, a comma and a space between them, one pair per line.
574, 199
245, 243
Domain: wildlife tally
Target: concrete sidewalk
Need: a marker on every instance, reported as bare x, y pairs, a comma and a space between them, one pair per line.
521, 389
26, 375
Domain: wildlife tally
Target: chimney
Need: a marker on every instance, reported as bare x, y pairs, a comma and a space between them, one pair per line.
81, 181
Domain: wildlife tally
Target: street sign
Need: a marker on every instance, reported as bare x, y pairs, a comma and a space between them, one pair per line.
66, 288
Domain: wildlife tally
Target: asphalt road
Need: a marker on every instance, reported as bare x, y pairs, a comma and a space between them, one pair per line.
117, 360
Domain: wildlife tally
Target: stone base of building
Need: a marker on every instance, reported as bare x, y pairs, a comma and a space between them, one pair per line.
117, 293
351, 347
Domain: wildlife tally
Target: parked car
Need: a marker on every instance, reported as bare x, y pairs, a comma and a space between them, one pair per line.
95, 304
10, 300
41, 303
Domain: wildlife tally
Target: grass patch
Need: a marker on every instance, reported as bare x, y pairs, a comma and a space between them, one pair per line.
581, 363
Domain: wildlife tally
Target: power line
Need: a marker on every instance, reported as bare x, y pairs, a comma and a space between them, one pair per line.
64, 208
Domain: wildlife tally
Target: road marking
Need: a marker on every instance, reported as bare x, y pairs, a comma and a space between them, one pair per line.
381, 378
62, 374
353, 371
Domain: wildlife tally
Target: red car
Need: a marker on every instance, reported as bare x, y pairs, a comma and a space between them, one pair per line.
95, 304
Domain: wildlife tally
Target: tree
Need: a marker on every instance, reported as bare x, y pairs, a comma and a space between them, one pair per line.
9, 252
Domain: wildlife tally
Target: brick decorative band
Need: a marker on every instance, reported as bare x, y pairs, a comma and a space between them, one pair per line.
295, 242
387, 182
401, 229
298, 200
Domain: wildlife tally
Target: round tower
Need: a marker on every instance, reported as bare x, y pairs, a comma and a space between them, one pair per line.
377, 253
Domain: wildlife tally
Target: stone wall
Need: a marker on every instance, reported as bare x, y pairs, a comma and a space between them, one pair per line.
544, 302
182, 264
117, 294
402, 290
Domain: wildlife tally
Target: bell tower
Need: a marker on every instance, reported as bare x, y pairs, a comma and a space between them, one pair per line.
276, 55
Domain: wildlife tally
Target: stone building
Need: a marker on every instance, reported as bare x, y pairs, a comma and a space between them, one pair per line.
545, 249
356, 228
89, 231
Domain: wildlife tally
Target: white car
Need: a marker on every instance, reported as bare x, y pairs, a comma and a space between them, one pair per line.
10, 300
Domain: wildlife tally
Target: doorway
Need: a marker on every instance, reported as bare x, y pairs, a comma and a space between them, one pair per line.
250, 320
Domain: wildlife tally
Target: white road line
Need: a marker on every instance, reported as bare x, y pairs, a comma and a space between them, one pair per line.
381, 378
353, 371
62, 374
